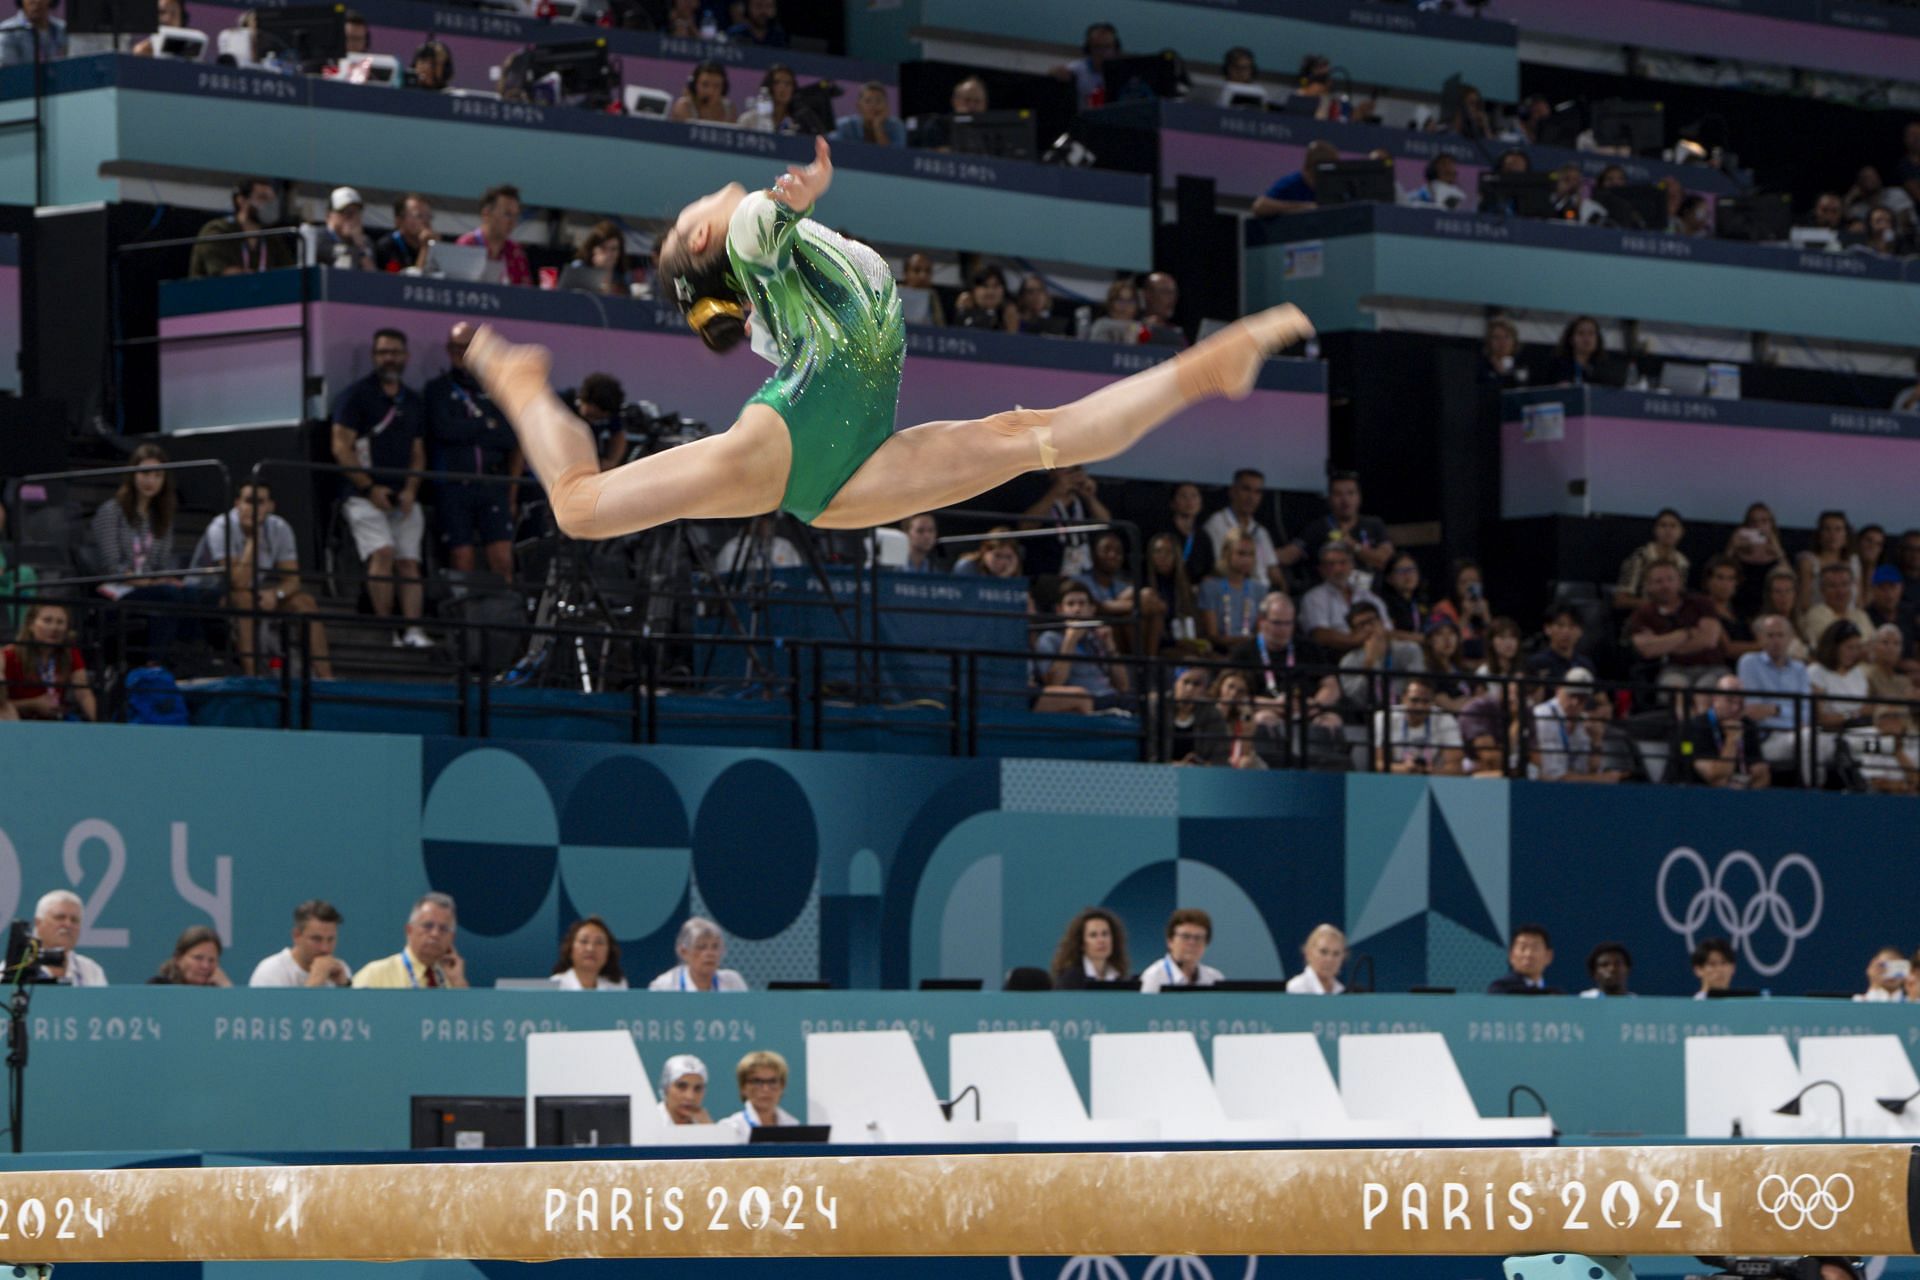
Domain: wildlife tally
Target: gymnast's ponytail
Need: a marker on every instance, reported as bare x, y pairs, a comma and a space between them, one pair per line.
708, 294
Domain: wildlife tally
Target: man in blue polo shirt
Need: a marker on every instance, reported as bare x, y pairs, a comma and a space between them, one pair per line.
471, 436
1773, 680
1297, 192
380, 422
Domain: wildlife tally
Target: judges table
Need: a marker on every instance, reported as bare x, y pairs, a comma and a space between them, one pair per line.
1592, 451
112, 116
231, 352
1339, 263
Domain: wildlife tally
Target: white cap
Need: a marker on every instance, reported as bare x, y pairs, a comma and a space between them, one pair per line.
1578, 675
684, 1064
343, 197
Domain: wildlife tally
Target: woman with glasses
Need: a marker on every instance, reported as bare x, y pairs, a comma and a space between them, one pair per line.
1189, 931
762, 1075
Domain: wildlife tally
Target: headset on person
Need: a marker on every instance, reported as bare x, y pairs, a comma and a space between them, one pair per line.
702, 68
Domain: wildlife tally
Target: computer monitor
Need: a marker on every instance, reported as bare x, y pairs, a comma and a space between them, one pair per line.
1154, 75
788, 1133
116, 17
310, 34
1230, 985
951, 984
810, 984
587, 74
1637, 208
1355, 181
467, 1123
1523, 195
1639, 126
582, 1121
1561, 128
1763, 218
1007, 135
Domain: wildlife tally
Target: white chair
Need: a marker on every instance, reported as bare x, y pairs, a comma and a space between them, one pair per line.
572, 1064
1740, 1080
1284, 1077
1867, 1068
871, 1087
1022, 1079
1413, 1081
1160, 1076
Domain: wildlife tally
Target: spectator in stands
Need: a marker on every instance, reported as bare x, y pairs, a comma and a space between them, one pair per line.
1499, 355
1502, 656
168, 13
762, 1078
589, 958
916, 282
1324, 610
1870, 549
874, 123
1565, 747
1720, 582
1719, 747
1694, 217
1886, 235
243, 242
969, 98
379, 422
984, 305
1442, 189
1884, 750
1168, 596
46, 676
683, 1090
429, 960
1839, 675
1581, 357
1234, 746
1074, 675
1610, 965
1908, 562
249, 554
353, 28
1121, 320
1512, 161
1239, 74
1415, 736
701, 947
1832, 544
1781, 600
431, 67
923, 545
1239, 516
405, 247
1034, 306
757, 548
1674, 631
1195, 724
1470, 119
1324, 951
1159, 299
32, 35
1316, 81
773, 108
705, 101
1072, 499
1885, 680
195, 961
1828, 213
1713, 965
1366, 536
1092, 949
1087, 73
1836, 602
1772, 679
1466, 607
1185, 526
1440, 654
1406, 601
309, 960
1229, 600
1529, 954
1886, 608
1756, 555
1561, 653
470, 436
499, 215
1869, 192
993, 558
598, 401
1107, 579
1886, 977
761, 27
1570, 202
1274, 650
342, 243
132, 542
1375, 651
1189, 934
1299, 191
604, 248
57, 919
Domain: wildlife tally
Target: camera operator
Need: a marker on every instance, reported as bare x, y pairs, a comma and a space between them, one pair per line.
56, 922
599, 402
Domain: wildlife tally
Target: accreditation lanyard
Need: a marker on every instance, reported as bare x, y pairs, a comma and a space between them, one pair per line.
687, 986
1266, 663
412, 979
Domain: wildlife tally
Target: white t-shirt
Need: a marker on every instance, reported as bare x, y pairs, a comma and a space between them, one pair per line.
676, 979
1880, 995
281, 970
1852, 685
274, 547
1165, 973
1564, 748
743, 1123
570, 981
82, 972
1422, 742
1307, 983
1222, 522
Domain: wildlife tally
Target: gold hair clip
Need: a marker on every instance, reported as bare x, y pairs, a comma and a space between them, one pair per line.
703, 311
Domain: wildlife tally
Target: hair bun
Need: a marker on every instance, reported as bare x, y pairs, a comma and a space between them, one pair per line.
721, 323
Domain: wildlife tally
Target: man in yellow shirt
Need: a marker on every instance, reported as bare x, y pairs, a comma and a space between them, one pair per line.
429, 959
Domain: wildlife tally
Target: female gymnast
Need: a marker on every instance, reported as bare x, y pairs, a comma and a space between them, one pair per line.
818, 440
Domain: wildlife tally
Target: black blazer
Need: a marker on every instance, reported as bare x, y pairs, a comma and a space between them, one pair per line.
1512, 984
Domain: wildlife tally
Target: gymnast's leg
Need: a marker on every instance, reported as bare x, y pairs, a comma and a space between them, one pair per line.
740, 473
940, 463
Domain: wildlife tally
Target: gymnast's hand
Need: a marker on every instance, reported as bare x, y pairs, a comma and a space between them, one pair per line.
799, 188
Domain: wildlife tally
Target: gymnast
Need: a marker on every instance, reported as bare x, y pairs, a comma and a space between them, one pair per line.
818, 440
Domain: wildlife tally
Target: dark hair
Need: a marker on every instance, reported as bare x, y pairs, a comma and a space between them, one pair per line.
28, 646
1526, 161
165, 503
1238, 51
1720, 560
243, 190
779, 69
258, 483
1335, 477
438, 52
1072, 587
1071, 951
1192, 915
708, 293
1086, 41
599, 233
611, 969
1827, 651
1308, 63
315, 909
194, 936
1565, 345
400, 205
494, 195
1711, 947
396, 334
1559, 611
353, 18
1362, 609
705, 67
603, 391
1255, 472
1609, 948
983, 274
1536, 930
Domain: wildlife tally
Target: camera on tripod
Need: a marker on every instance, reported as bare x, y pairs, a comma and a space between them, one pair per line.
26, 958
651, 431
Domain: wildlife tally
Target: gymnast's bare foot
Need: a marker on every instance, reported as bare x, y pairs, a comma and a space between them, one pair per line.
512, 375
1228, 363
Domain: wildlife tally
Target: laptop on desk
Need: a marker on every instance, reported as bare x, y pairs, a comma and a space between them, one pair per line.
457, 261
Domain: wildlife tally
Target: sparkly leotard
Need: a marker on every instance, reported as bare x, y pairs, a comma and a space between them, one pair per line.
826, 315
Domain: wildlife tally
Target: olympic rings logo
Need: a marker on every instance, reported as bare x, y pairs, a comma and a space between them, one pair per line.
1806, 1201
1715, 901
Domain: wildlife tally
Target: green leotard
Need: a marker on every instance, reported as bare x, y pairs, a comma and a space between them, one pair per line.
826, 314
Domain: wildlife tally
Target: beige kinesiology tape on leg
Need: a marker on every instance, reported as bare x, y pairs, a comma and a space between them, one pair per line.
1037, 421
575, 495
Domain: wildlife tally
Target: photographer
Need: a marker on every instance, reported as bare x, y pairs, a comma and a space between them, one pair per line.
599, 402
